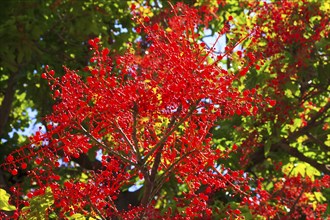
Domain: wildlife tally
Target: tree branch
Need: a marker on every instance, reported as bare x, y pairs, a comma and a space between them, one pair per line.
107, 148
296, 201
164, 176
159, 152
312, 122
324, 147
95, 209
228, 181
166, 135
134, 132
127, 140
294, 152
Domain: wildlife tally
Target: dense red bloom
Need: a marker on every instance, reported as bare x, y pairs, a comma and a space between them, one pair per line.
150, 112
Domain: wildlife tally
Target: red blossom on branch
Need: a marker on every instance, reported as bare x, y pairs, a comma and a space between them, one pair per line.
150, 113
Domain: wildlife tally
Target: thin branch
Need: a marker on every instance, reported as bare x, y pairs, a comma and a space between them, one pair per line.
172, 8
296, 153
227, 52
134, 132
230, 183
312, 122
107, 148
160, 181
166, 135
210, 50
95, 209
170, 168
311, 94
156, 164
159, 153
114, 207
324, 147
208, 47
296, 201
150, 179
127, 140
228, 60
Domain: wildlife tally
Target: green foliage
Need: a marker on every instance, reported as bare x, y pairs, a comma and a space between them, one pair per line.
4, 205
39, 205
36, 33
77, 216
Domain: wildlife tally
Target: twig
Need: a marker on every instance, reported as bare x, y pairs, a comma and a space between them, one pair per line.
127, 140
324, 147
160, 181
312, 122
159, 153
166, 135
95, 209
114, 207
230, 183
107, 148
172, 8
296, 201
134, 132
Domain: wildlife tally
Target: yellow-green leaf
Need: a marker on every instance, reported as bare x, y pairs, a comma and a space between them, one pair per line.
4, 205
39, 205
77, 216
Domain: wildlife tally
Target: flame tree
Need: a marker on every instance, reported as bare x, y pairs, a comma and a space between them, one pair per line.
205, 133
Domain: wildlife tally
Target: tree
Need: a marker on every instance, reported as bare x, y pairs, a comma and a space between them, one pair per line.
207, 134
35, 33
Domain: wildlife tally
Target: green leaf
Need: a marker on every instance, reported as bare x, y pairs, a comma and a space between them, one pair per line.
77, 216
39, 205
246, 213
4, 205
83, 178
319, 197
300, 168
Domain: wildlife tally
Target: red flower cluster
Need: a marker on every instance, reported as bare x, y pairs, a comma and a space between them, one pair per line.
150, 112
